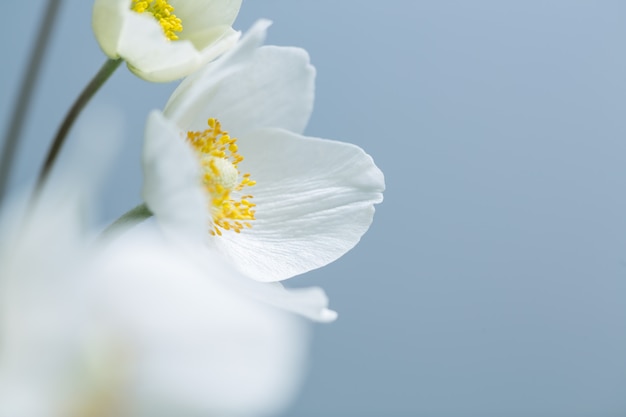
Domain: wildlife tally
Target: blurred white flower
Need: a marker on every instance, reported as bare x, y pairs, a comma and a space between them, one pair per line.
43, 297
41, 304
180, 340
131, 327
227, 163
164, 40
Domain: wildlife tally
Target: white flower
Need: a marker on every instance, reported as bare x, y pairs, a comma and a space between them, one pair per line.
164, 40
294, 203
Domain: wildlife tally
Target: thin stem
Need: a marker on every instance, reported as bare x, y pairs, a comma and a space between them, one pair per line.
14, 131
98, 80
130, 218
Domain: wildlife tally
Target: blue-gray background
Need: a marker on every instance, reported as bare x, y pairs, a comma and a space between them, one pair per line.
493, 280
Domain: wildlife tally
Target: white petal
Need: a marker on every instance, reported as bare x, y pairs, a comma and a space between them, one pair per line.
311, 302
197, 16
315, 199
172, 188
273, 88
214, 42
236, 58
150, 54
107, 22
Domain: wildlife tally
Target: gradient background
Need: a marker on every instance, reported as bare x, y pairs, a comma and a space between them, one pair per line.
493, 280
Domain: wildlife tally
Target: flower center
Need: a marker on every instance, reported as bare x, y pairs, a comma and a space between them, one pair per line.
163, 12
221, 178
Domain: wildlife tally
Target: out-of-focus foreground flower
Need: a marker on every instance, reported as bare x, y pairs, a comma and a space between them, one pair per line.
41, 305
164, 40
226, 162
181, 340
131, 327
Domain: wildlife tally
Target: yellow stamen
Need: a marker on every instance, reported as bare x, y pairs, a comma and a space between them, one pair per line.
218, 156
163, 12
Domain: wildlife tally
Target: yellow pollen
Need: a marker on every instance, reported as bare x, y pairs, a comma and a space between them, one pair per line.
163, 12
221, 179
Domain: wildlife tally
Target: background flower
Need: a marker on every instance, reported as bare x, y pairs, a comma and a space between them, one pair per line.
165, 40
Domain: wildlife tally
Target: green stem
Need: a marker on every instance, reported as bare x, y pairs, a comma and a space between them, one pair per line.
14, 131
98, 80
128, 219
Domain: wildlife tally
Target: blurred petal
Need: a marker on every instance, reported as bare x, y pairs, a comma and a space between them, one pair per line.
43, 248
171, 180
197, 344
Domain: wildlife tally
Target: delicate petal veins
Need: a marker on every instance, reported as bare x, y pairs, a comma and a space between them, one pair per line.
314, 199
